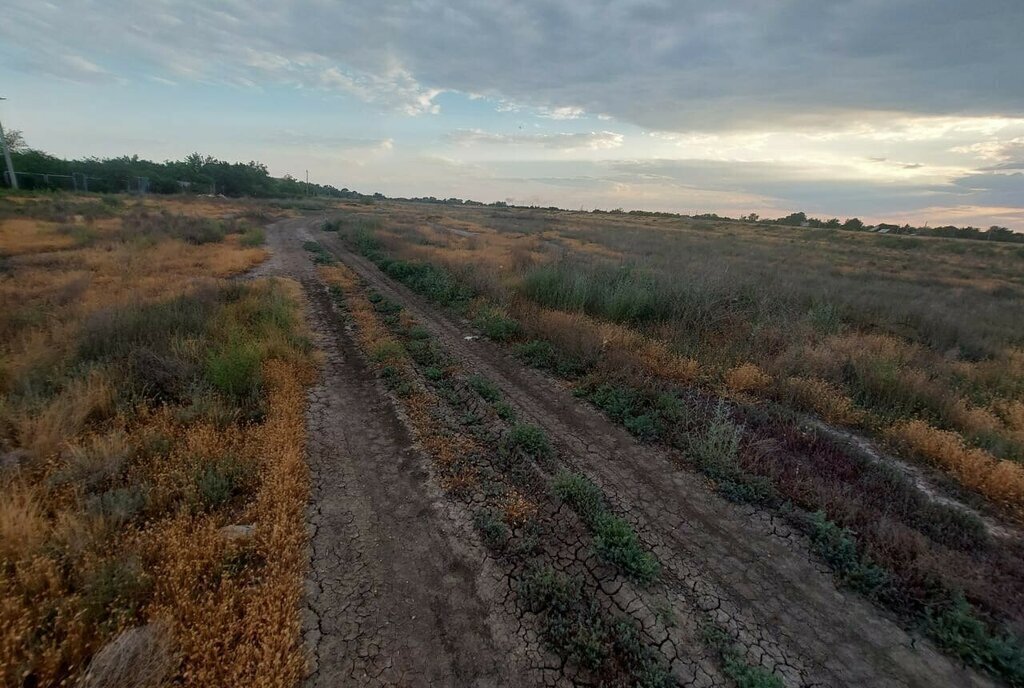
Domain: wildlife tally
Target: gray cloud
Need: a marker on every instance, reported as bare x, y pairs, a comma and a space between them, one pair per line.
663, 64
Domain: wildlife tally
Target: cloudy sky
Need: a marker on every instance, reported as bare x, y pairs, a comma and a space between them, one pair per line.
900, 110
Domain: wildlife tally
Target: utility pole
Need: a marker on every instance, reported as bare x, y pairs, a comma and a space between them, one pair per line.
307, 182
7, 157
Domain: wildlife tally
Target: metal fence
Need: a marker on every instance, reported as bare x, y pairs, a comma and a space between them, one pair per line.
78, 181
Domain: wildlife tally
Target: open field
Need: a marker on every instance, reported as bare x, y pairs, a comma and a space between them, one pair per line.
409, 444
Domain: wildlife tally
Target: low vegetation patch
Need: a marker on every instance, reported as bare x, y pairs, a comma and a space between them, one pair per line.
614, 539
576, 628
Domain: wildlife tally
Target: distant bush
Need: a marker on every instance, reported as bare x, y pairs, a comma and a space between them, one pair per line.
253, 236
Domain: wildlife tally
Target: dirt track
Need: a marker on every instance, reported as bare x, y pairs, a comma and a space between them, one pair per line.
401, 592
396, 596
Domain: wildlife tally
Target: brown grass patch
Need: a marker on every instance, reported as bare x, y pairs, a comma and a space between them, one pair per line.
821, 397
976, 469
747, 378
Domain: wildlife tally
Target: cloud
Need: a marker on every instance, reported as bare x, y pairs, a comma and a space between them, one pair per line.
594, 140
292, 137
654, 63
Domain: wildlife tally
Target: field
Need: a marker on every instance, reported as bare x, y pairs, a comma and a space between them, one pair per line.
402, 444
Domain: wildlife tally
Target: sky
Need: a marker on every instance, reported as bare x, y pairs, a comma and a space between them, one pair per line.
888, 110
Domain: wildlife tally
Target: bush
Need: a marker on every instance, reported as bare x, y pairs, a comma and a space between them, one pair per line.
838, 547
220, 481
113, 593
572, 622
585, 498
617, 543
487, 390
574, 626
234, 370
496, 325
734, 665
614, 539
119, 505
253, 236
528, 441
201, 231
320, 254
492, 528
956, 629
115, 333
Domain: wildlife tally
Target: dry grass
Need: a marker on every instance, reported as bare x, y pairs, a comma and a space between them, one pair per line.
747, 377
118, 475
24, 235
1001, 481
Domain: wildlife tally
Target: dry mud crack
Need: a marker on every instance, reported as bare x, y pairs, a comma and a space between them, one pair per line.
402, 593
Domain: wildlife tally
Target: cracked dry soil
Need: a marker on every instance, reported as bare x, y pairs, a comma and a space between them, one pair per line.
401, 592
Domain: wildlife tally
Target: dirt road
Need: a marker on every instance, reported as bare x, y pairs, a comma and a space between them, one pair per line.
401, 593
396, 596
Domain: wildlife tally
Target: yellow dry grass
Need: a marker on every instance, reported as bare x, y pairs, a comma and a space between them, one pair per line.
25, 235
821, 397
747, 377
976, 469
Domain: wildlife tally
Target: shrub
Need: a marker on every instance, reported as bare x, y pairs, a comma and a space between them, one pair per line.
617, 543
253, 236
496, 325
956, 628
614, 539
487, 390
113, 592
733, 663
528, 441
387, 350
139, 657
201, 231
119, 505
585, 498
220, 481
505, 412
320, 255
234, 370
115, 333
492, 528
574, 626
838, 547
716, 448
825, 318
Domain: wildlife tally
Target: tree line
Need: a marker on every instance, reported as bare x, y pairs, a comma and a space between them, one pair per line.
196, 173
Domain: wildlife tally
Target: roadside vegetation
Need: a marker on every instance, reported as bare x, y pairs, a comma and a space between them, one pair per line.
707, 351
152, 477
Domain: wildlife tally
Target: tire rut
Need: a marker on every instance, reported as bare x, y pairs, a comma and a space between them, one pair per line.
743, 567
